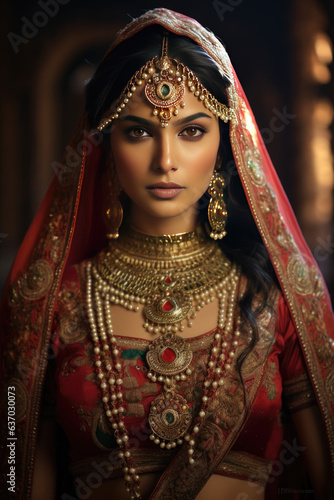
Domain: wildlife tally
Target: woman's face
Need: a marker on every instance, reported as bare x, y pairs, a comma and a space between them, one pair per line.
165, 171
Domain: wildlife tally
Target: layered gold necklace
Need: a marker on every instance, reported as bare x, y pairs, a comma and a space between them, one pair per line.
171, 278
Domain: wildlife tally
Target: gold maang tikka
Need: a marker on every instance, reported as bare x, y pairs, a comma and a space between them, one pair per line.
165, 81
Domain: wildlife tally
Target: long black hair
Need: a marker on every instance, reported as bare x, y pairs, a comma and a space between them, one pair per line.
243, 243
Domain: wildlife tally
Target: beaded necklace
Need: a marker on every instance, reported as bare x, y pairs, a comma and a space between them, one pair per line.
172, 277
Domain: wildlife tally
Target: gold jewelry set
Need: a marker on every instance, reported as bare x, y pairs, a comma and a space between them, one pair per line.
169, 278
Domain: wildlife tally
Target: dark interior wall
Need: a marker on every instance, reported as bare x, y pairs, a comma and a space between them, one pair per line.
258, 35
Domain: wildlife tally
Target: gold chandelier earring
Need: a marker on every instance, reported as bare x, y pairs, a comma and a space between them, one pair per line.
114, 208
217, 213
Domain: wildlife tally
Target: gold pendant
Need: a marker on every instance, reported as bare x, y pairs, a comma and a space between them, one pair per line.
170, 305
169, 416
169, 355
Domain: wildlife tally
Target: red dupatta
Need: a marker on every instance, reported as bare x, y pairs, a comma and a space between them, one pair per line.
69, 228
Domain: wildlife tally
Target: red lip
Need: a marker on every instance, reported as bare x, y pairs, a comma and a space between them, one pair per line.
165, 190
164, 185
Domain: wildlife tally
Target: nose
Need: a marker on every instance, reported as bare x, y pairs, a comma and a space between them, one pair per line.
165, 155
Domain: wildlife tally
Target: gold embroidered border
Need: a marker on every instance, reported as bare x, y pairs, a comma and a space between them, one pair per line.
298, 303
298, 393
30, 434
245, 466
236, 464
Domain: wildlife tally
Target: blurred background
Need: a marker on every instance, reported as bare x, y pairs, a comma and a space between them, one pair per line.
282, 52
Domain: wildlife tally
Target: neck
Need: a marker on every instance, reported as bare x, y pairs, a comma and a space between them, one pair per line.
157, 226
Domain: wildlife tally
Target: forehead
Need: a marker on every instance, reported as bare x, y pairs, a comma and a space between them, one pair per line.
141, 107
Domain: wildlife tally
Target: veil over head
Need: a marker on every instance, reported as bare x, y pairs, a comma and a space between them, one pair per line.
69, 228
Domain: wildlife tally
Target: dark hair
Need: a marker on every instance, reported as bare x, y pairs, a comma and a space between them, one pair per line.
243, 243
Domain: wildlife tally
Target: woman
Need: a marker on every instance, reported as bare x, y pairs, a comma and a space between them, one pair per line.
173, 346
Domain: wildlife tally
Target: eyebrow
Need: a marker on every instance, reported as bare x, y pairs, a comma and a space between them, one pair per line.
144, 121
192, 117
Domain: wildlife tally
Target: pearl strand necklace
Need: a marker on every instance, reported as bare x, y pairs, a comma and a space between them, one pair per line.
110, 371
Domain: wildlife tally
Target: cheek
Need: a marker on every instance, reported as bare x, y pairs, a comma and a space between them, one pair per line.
202, 165
204, 159
128, 166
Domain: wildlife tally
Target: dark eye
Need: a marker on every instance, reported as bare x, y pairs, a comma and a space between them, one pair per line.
138, 132
193, 132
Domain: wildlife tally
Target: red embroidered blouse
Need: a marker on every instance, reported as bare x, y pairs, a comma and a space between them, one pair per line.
79, 410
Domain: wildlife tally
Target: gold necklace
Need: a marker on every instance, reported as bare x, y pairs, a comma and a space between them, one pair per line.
172, 276
183, 261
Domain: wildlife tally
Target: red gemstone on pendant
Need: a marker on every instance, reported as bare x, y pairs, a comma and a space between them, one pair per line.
168, 355
167, 306
168, 280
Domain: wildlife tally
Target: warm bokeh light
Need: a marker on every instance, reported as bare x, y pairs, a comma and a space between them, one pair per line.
323, 55
323, 48
322, 159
